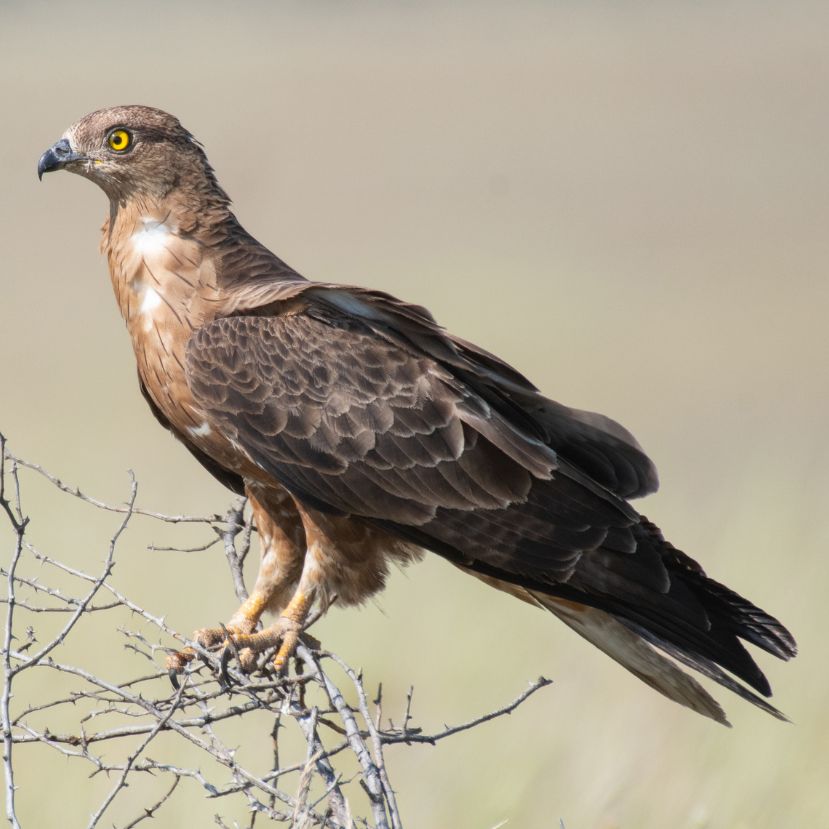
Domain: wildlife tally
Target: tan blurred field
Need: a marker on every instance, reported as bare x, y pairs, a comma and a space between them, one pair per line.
629, 202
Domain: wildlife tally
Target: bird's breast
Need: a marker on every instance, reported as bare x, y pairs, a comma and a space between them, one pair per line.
166, 288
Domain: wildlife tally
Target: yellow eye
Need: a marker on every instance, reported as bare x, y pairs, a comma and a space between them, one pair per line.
119, 140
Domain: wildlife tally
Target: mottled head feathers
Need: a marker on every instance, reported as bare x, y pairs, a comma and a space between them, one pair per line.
133, 151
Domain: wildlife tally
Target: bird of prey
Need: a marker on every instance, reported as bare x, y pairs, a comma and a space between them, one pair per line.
364, 433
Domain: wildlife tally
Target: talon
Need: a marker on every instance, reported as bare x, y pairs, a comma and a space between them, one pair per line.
230, 642
224, 677
176, 662
310, 642
251, 650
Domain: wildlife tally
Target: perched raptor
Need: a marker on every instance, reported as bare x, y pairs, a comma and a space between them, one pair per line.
363, 432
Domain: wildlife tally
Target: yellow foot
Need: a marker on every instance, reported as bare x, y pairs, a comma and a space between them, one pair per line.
284, 635
236, 641
207, 638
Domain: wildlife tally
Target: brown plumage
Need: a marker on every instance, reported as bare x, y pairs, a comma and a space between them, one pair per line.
363, 432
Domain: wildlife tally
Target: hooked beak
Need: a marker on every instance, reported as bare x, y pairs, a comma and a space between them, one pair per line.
57, 157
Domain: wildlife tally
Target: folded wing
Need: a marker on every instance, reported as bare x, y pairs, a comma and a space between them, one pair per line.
363, 406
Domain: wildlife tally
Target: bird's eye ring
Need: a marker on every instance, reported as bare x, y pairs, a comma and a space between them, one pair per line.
119, 140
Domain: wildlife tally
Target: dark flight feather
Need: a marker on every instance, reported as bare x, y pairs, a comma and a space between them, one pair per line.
372, 411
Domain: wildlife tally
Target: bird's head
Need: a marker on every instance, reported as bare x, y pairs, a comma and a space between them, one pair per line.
131, 151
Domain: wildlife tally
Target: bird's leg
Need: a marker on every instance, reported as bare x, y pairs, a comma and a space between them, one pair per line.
285, 633
282, 542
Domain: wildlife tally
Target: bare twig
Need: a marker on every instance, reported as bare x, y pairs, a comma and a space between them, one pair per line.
415, 735
76, 492
234, 524
122, 780
150, 811
123, 718
18, 523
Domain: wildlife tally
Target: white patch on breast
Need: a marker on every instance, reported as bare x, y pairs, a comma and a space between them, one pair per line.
200, 431
150, 301
149, 242
151, 238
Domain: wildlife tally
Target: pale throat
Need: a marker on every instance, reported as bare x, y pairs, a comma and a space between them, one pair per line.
156, 270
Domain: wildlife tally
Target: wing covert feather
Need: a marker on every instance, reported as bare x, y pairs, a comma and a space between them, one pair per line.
329, 397
358, 424
601, 447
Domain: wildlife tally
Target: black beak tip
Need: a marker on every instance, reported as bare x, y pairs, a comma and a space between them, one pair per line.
56, 157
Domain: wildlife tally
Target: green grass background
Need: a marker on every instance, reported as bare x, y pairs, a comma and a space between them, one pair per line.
627, 201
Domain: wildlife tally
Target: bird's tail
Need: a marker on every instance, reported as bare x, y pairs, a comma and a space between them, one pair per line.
632, 647
652, 658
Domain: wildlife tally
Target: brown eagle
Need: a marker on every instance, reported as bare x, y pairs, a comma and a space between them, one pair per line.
363, 432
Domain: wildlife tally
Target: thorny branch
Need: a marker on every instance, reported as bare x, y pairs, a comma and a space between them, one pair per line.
113, 726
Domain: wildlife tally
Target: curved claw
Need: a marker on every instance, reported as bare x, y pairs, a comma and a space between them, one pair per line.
176, 663
227, 652
310, 642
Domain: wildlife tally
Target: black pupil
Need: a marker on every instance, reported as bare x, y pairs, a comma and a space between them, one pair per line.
119, 139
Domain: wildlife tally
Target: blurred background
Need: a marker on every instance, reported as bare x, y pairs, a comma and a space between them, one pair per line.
629, 202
